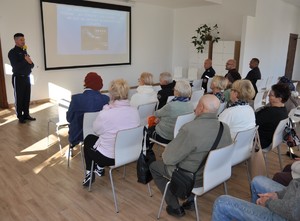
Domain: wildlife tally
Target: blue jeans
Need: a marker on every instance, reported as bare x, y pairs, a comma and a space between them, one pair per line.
262, 184
231, 208
227, 208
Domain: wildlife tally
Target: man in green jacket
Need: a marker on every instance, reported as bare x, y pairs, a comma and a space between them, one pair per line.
189, 148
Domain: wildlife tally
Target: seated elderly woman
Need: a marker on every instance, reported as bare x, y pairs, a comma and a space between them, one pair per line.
145, 92
117, 115
268, 117
293, 100
239, 115
218, 85
167, 115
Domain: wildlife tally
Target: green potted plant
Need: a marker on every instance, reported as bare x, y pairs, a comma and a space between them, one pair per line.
205, 33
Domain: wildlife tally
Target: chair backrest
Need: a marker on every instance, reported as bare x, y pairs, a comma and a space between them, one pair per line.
197, 85
170, 98
221, 108
192, 73
88, 121
243, 143
258, 101
217, 167
181, 120
196, 95
146, 110
63, 106
261, 84
128, 145
208, 85
278, 134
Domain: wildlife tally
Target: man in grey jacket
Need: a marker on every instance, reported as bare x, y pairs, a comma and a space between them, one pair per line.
270, 201
189, 148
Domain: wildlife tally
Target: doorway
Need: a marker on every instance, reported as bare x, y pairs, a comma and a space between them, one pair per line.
290, 59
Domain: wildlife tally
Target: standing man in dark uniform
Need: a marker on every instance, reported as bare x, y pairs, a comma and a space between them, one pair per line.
21, 67
208, 73
254, 74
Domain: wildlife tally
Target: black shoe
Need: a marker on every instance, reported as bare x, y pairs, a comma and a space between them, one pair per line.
29, 118
99, 172
179, 212
189, 205
86, 181
22, 121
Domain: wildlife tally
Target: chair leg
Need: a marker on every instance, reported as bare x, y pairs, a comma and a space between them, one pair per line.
92, 170
69, 149
196, 208
149, 189
163, 199
82, 158
58, 139
266, 163
113, 190
279, 157
248, 171
225, 188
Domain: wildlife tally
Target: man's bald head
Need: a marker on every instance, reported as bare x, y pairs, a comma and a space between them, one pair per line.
207, 104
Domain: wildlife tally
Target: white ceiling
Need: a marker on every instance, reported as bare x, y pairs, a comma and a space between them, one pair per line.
179, 3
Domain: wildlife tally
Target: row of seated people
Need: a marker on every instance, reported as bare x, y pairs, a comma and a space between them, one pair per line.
194, 136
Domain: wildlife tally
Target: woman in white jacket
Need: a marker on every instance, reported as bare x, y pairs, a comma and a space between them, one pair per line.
239, 115
145, 92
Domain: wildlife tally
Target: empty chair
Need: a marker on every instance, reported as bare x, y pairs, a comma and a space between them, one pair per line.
261, 84
197, 85
146, 110
60, 121
216, 171
170, 98
127, 150
196, 95
276, 142
243, 143
192, 73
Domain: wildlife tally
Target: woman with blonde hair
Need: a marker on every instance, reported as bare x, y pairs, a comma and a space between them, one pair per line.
117, 115
239, 115
218, 85
145, 92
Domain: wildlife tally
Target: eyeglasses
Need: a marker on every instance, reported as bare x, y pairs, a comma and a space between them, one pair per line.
229, 64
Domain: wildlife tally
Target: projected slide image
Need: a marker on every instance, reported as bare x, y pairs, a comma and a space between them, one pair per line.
94, 38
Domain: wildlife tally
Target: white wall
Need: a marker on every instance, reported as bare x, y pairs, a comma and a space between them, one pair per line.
152, 34
267, 36
228, 16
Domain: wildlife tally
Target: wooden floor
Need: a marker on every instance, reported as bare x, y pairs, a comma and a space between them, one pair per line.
36, 184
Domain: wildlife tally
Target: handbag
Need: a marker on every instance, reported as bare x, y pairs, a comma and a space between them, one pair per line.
183, 181
147, 156
290, 135
257, 163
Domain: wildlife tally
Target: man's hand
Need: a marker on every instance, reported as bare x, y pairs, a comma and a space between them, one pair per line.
264, 197
28, 59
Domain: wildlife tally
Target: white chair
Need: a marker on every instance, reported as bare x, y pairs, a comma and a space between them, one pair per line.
261, 84
180, 121
258, 101
221, 108
197, 85
128, 147
60, 121
276, 142
196, 95
87, 127
192, 73
217, 170
170, 98
146, 110
243, 143
209, 80
269, 82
